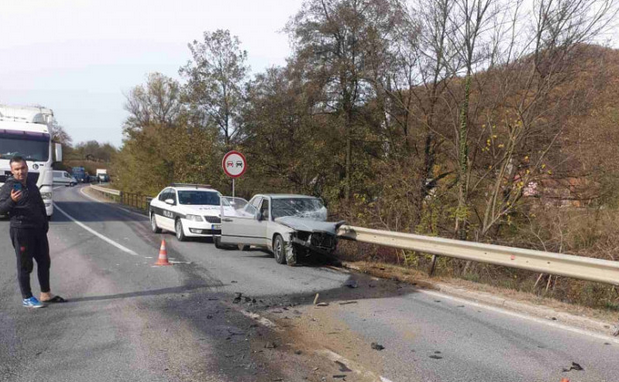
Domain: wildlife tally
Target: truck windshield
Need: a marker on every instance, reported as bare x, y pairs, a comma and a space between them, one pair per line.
200, 198
33, 147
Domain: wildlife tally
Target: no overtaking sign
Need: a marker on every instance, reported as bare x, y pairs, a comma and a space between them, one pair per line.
234, 164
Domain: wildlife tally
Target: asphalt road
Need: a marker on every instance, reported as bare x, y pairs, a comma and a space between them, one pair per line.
130, 321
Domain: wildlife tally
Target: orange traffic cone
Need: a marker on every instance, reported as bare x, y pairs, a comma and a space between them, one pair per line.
163, 255
565, 380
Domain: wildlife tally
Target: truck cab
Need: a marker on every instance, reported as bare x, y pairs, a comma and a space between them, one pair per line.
24, 131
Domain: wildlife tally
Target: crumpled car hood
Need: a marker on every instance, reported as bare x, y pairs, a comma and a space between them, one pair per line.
308, 225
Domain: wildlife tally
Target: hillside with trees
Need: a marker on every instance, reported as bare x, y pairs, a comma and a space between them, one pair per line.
493, 121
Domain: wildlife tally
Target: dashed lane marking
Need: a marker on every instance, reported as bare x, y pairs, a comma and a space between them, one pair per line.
97, 234
357, 369
262, 320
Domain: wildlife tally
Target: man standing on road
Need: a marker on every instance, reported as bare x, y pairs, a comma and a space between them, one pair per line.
21, 200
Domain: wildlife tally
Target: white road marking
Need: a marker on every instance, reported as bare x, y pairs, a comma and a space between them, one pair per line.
522, 316
104, 238
264, 321
357, 369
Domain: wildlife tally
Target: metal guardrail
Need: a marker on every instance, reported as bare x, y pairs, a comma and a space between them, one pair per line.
584, 268
578, 267
105, 190
138, 201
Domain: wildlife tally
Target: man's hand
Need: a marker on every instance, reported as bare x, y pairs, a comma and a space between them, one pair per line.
16, 195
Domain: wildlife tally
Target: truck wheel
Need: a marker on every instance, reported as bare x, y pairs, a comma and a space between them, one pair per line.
153, 224
180, 234
279, 249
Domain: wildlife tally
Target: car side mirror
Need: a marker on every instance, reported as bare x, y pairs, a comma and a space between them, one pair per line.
259, 216
169, 201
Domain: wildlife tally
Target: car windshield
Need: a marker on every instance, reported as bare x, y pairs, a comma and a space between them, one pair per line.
31, 147
299, 207
198, 198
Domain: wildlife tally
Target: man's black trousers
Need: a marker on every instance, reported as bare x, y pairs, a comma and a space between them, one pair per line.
29, 244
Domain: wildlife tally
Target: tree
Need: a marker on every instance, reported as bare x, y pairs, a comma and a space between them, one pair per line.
59, 134
161, 146
155, 103
332, 40
215, 79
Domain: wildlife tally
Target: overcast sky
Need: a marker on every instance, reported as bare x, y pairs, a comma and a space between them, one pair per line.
80, 57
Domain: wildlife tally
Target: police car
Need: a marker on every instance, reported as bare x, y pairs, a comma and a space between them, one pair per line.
189, 210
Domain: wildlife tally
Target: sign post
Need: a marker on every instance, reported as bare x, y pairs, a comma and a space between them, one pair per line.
234, 165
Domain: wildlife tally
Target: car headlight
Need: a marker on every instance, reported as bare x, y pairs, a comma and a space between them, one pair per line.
194, 218
46, 195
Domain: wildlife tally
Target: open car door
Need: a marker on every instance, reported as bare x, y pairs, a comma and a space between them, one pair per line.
240, 223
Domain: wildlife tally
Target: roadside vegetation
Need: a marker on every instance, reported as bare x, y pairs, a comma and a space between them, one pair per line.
488, 120
91, 155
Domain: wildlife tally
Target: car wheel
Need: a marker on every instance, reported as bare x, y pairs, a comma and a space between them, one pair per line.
153, 224
220, 245
217, 242
180, 234
279, 249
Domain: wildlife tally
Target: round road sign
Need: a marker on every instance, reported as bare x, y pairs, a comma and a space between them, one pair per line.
234, 164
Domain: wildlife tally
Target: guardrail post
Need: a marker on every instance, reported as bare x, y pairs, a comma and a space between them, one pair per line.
432, 265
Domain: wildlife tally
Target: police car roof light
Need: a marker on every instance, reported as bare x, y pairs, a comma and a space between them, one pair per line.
190, 185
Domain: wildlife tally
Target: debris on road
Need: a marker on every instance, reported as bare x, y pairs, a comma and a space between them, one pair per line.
348, 302
377, 346
316, 298
322, 304
237, 299
342, 366
270, 345
574, 366
351, 284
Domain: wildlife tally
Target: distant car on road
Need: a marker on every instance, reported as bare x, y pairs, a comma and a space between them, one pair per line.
189, 210
63, 178
291, 226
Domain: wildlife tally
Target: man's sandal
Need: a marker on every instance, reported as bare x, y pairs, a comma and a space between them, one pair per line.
54, 300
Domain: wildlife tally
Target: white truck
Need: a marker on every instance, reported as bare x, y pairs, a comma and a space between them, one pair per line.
102, 175
24, 131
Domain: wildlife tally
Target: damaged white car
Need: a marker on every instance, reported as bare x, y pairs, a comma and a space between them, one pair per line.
290, 226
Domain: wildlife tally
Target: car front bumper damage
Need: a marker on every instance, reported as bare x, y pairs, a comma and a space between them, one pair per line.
323, 243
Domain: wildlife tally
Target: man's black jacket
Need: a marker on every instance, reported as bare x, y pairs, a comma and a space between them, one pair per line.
29, 211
